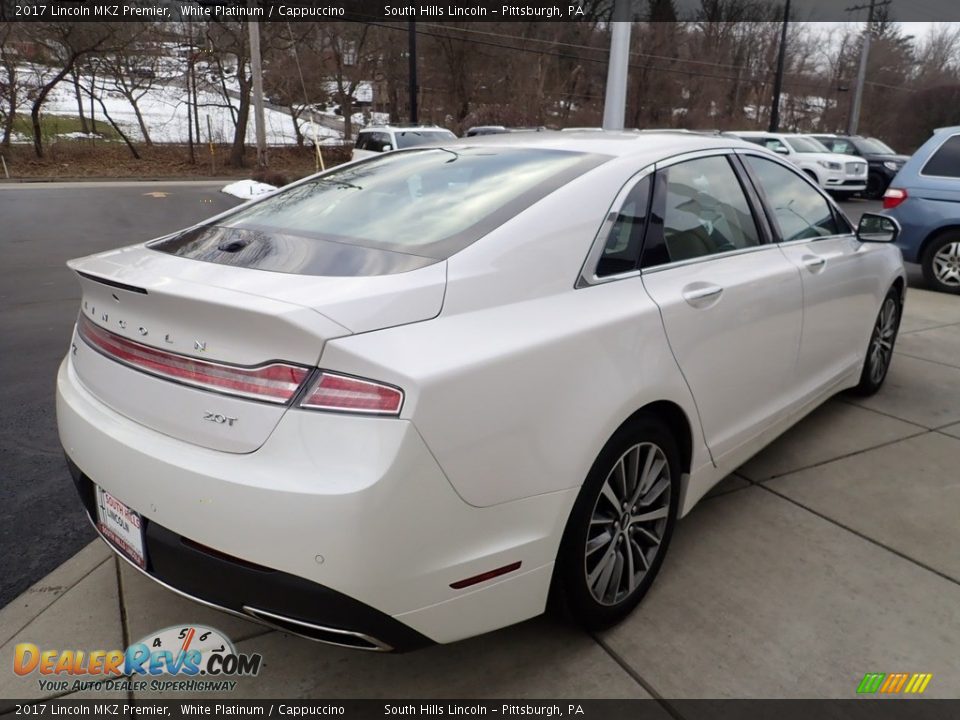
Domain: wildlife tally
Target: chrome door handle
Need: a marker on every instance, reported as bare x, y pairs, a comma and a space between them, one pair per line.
695, 296
814, 263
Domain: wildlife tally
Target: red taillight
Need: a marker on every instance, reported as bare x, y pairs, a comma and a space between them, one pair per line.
893, 197
349, 394
275, 382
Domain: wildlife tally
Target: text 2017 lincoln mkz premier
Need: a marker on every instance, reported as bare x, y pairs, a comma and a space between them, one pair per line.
402, 401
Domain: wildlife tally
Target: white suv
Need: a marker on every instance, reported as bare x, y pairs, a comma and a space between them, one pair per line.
842, 175
384, 138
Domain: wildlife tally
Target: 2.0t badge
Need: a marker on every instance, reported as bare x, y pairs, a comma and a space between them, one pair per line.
218, 418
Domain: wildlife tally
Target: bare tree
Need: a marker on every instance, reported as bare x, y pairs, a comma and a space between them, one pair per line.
229, 43
64, 44
133, 67
15, 87
351, 61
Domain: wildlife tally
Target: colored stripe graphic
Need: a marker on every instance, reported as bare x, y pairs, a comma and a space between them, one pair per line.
918, 683
871, 682
893, 683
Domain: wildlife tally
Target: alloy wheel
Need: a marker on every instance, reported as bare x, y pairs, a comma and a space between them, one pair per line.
628, 523
946, 264
884, 334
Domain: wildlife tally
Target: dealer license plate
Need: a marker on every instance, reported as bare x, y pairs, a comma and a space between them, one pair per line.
121, 526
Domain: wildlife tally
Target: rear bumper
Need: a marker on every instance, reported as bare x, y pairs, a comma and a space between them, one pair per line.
346, 523
256, 592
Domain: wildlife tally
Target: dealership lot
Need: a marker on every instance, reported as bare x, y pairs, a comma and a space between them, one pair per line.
830, 555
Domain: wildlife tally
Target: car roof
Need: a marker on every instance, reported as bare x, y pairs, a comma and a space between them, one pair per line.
648, 146
383, 128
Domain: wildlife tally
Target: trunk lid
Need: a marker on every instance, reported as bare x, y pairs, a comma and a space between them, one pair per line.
229, 316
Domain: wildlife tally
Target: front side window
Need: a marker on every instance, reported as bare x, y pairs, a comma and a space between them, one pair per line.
799, 210
876, 147
841, 147
705, 211
775, 145
363, 140
378, 141
945, 162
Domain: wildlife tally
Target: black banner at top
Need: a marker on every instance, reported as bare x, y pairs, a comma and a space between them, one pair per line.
473, 10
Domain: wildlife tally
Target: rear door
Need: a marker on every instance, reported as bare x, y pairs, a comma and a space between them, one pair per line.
731, 302
839, 293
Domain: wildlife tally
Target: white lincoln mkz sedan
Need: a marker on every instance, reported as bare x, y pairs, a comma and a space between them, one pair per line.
402, 401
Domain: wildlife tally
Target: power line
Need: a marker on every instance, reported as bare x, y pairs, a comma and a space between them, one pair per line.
676, 71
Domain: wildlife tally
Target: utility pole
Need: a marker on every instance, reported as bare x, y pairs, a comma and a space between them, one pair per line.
864, 56
618, 65
778, 81
412, 69
257, 72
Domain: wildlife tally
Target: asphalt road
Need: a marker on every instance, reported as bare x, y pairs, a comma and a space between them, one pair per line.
41, 226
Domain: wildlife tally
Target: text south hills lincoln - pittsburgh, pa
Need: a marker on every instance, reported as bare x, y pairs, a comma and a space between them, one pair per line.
477, 11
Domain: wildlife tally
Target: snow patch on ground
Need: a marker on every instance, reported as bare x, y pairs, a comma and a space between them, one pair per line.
165, 114
247, 189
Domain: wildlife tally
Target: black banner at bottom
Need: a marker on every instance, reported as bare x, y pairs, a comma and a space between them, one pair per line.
860, 709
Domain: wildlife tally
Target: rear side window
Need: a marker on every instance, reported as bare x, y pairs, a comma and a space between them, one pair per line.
799, 210
945, 162
621, 253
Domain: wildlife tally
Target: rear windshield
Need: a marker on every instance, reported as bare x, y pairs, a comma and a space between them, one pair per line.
412, 138
422, 204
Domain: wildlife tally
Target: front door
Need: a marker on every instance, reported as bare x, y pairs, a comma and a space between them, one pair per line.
838, 294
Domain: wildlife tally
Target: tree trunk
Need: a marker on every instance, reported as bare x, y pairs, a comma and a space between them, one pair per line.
196, 104
238, 149
11, 105
38, 104
193, 157
346, 107
123, 135
295, 116
226, 93
93, 115
136, 111
76, 90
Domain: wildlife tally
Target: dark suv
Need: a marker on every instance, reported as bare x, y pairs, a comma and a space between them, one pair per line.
884, 162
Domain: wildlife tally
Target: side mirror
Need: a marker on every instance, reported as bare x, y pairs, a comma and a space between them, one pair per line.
781, 150
877, 228
387, 147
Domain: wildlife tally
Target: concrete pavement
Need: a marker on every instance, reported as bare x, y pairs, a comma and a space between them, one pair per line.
831, 554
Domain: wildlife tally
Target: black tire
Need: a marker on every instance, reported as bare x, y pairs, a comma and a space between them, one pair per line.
634, 441
942, 253
880, 350
876, 186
